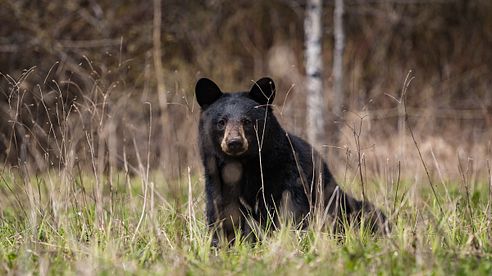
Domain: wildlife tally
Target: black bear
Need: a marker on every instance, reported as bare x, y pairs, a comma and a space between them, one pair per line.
254, 168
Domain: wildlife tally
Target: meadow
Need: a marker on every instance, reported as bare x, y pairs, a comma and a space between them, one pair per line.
138, 220
99, 166
51, 224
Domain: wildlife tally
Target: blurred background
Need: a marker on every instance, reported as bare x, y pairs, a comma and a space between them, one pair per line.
103, 85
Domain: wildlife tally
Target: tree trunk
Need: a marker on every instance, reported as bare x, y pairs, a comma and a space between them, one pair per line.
161, 87
338, 59
314, 70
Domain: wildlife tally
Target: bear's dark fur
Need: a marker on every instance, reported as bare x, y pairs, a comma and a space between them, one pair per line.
255, 170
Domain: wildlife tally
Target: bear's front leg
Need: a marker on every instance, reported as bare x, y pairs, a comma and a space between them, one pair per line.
213, 201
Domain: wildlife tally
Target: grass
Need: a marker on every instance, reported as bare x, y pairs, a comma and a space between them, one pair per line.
69, 221
53, 224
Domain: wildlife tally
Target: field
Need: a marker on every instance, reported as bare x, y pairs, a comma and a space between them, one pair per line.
99, 166
67, 222
97, 210
93, 214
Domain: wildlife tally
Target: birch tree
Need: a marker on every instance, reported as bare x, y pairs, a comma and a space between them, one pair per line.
314, 71
338, 58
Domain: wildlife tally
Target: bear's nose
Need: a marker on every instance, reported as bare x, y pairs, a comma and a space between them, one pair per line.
235, 144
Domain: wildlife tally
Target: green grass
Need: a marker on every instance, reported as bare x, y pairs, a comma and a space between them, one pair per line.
55, 224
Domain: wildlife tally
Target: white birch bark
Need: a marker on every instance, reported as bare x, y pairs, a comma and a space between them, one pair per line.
338, 59
314, 71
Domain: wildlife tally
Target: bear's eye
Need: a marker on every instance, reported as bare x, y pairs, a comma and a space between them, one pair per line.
221, 124
246, 122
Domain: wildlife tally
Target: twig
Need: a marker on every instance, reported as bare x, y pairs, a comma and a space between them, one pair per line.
489, 209
467, 194
146, 175
191, 211
260, 146
359, 158
406, 84
397, 186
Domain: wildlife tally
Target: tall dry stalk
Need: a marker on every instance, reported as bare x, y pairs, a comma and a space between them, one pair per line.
406, 84
144, 174
489, 198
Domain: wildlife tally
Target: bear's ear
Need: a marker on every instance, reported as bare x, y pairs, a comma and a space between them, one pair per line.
207, 92
263, 91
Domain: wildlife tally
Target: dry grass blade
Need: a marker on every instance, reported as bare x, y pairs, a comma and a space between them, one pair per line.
406, 84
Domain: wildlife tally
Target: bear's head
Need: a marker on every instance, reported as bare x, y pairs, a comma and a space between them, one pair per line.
235, 123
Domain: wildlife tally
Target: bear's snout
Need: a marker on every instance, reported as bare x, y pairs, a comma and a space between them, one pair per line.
234, 142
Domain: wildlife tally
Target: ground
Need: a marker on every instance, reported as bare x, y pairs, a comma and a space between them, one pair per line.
146, 227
